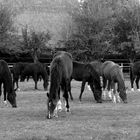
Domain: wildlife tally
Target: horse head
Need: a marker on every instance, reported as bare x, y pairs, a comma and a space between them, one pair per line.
51, 104
123, 95
98, 96
11, 97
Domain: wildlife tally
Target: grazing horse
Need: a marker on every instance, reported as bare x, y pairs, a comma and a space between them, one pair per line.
35, 70
6, 80
16, 71
134, 74
113, 73
60, 75
86, 73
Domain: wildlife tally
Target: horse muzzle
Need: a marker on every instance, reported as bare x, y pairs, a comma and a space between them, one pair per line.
125, 101
14, 106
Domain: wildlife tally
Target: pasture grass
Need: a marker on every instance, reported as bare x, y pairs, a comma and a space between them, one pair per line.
86, 121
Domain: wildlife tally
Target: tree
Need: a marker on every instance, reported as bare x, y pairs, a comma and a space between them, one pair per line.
93, 29
7, 37
34, 42
127, 29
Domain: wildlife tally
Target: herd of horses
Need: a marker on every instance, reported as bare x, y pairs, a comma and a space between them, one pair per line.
99, 76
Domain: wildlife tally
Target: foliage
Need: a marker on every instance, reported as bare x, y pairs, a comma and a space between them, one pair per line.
104, 27
34, 42
8, 38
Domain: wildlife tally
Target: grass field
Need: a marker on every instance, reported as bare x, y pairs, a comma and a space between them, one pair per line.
86, 121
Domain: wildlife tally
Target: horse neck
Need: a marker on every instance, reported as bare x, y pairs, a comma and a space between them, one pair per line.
55, 82
8, 83
120, 80
95, 76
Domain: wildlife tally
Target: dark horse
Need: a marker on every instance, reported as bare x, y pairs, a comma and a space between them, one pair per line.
134, 74
6, 80
60, 73
113, 73
16, 71
35, 70
86, 73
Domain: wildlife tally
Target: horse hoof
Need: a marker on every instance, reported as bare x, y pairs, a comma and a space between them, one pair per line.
100, 101
18, 89
48, 117
138, 89
132, 89
5, 103
88, 87
67, 109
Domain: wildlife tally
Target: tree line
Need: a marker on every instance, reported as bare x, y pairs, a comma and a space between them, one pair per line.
97, 28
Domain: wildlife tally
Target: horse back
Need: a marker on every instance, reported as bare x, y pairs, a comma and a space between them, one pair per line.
110, 70
63, 59
97, 65
32, 68
4, 68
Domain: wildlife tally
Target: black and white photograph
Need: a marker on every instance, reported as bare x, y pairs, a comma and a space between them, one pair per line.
69, 69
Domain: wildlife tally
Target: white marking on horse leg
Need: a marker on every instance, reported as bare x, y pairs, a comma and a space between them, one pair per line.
5, 102
59, 106
104, 95
55, 114
18, 89
132, 89
49, 115
118, 98
114, 99
138, 89
110, 94
88, 87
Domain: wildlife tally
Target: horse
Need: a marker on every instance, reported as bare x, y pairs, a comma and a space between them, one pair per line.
6, 80
86, 73
61, 69
35, 70
16, 71
134, 74
113, 73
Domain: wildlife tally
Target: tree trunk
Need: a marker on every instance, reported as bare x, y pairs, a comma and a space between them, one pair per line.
35, 57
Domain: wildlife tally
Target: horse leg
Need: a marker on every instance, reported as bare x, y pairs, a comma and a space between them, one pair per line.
109, 89
88, 86
4, 87
137, 82
0, 92
59, 104
66, 96
82, 89
69, 89
92, 88
113, 92
132, 82
35, 79
104, 86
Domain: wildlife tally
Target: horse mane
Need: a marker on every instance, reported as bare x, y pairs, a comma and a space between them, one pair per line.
55, 77
121, 83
